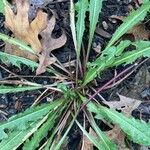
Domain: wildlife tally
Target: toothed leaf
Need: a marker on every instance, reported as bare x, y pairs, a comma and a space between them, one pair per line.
23, 120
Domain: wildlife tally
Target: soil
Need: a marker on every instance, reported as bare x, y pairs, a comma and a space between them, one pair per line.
135, 86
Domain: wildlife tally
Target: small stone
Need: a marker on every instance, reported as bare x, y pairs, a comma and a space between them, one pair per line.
105, 25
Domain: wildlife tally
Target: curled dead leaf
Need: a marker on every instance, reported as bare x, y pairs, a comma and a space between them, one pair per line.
49, 44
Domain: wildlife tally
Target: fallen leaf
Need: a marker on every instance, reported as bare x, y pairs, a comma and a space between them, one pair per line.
118, 137
49, 44
86, 143
20, 26
126, 104
139, 32
45, 61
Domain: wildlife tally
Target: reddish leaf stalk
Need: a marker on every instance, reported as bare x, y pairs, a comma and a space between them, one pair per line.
107, 84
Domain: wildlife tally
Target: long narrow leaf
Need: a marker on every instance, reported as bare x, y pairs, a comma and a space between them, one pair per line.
72, 23
93, 139
138, 131
133, 18
15, 42
41, 132
11, 89
22, 120
1, 7
80, 25
94, 9
16, 138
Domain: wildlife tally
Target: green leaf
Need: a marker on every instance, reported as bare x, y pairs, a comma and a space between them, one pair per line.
11, 89
95, 7
16, 138
132, 19
93, 139
16, 42
80, 25
72, 23
23, 120
107, 59
137, 130
41, 132
105, 142
17, 61
131, 56
58, 145
1, 7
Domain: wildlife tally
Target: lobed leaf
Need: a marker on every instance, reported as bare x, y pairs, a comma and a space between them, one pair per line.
131, 56
101, 63
107, 58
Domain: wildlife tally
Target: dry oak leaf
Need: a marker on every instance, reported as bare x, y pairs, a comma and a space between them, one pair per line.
20, 26
126, 104
49, 44
118, 137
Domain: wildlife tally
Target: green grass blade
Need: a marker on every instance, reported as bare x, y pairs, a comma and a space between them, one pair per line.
132, 19
80, 25
12, 89
94, 9
26, 118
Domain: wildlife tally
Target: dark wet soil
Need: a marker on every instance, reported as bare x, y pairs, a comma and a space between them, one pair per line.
15, 103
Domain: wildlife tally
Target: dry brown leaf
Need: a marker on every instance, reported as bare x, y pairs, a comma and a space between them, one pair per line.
118, 137
20, 26
49, 44
86, 143
126, 104
139, 32
45, 60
